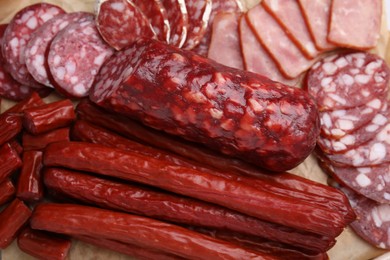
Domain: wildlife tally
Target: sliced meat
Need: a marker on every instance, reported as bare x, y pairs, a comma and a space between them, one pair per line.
37, 48
121, 22
75, 57
289, 16
18, 34
373, 219
155, 12
285, 53
316, 13
198, 19
355, 23
256, 59
178, 21
347, 80
225, 45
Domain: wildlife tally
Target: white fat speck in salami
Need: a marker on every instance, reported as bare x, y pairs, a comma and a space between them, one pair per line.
121, 22
75, 56
178, 21
36, 49
359, 78
355, 23
18, 35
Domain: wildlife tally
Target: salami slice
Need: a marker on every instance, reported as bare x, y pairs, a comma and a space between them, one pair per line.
198, 16
347, 80
373, 219
289, 16
75, 57
37, 48
121, 22
355, 23
225, 45
373, 182
178, 21
290, 60
316, 13
18, 34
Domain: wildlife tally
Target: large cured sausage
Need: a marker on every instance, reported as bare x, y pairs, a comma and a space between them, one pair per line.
18, 34
236, 112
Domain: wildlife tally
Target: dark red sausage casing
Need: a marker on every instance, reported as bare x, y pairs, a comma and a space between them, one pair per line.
239, 113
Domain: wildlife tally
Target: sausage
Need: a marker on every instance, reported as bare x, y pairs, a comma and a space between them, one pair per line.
9, 161
75, 57
10, 127
7, 191
173, 208
39, 142
82, 220
178, 21
14, 143
12, 219
29, 186
38, 120
43, 245
121, 22
18, 34
187, 95
33, 100
244, 197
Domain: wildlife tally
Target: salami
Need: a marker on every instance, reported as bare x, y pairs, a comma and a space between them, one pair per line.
120, 22
225, 45
355, 23
290, 60
10, 88
18, 34
37, 48
75, 57
198, 15
178, 21
203, 101
347, 80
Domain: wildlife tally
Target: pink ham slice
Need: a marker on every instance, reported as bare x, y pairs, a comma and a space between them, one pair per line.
355, 23
285, 53
256, 58
316, 13
225, 41
289, 16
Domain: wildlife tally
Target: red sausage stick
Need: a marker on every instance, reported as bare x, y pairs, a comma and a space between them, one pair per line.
30, 184
43, 245
84, 131
10, 126
76, 220
12, 219
226, 191
173, 208
126, 127
9, 161
39, 142
16, 146
33, 101
38, 120
7, 191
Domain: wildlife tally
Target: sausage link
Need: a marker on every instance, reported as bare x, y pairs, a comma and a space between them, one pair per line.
173, 208
16, 146
9, 161
243, 197
12, 219
34, 100
238, 113
10, 126
39, 142
43, 245
79, 220
38, 120
7, 191
30, 185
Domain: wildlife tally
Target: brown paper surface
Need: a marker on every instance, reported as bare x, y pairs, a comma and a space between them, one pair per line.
348, 245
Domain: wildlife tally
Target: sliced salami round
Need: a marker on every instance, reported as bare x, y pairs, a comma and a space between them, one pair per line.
75, 57
347, 80
121, 22
178, 21
373, 219
18, 34
157, 15
198, 15
37, 48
